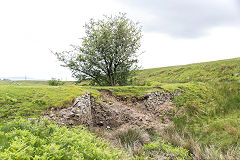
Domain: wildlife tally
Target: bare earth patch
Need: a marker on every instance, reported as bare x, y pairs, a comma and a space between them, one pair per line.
116, 115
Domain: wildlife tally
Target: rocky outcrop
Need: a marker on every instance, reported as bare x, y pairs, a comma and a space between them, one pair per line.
114, 112
80, 112
155, 99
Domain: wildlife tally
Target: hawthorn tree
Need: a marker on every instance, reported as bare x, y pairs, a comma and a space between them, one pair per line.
108, 53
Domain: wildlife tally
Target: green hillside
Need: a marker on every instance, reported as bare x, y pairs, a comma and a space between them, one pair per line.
223, 70
209, 105
30, 82
205, 118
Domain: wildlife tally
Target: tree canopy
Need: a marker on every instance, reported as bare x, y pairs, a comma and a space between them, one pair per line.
108, 53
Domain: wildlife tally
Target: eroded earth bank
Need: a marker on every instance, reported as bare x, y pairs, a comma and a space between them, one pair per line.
115, 117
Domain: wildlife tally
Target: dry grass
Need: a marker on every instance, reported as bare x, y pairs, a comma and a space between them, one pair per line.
199, 152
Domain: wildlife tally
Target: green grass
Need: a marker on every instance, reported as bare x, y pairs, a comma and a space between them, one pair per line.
209, 107
22, 139
160, 147
210, 112
31, 101
222, 131
129, 137
130, 91
223, 70
202, 103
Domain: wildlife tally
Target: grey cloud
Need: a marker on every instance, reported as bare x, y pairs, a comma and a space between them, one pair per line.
187, 18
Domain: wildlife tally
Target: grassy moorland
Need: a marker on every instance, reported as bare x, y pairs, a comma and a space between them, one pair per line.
23, 139
28, 101
209, 114
206, 119
31, 83
223, 70
208, 111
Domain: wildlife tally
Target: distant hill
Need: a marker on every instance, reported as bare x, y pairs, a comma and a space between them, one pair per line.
19, 78
222, 70
30, 82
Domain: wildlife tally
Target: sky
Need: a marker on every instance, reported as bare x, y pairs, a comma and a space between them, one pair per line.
174, 32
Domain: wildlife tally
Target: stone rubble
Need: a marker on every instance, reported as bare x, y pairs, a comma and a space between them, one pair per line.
158, 98
86, 111
76, 114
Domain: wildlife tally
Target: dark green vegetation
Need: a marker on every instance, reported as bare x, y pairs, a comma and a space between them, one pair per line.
206, 119
159, 147
55, 82
107, 55
22, 139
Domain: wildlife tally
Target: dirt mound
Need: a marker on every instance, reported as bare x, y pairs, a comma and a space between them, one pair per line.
124, 122
152, 111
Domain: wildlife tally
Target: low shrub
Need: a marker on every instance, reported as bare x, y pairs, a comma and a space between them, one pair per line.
161, 149
55, 82
129, 137
23, 139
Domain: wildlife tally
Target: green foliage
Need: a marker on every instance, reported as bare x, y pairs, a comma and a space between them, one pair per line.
194, 98
22, 139
107, 55
10, 100
160, 148
55, 82
39, 102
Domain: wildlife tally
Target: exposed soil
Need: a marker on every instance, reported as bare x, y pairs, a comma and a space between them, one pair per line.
137, 113
115, 114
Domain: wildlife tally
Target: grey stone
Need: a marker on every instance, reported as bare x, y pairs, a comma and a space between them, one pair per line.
32, 119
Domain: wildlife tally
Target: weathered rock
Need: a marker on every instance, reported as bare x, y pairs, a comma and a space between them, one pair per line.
51, 115
158, 98
32, 119
86, 111
77, 113
145, 138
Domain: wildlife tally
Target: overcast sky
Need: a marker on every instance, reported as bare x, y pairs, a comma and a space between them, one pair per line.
175, 32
